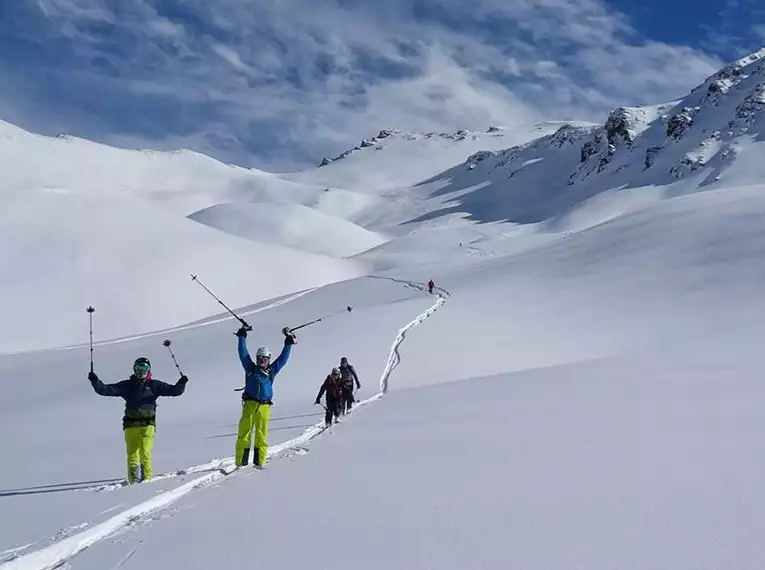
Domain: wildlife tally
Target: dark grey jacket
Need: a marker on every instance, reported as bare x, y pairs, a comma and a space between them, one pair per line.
348, 373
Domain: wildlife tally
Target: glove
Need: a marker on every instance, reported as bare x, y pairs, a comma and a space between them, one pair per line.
183, 379
242, 332
289, 336
316, 403
92, 376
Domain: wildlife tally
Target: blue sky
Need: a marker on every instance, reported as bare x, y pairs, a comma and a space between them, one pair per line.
278, 84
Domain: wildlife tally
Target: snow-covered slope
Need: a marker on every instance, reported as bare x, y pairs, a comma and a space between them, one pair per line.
182, 180
294, 225
552, 468
628, 341
64, 249
394, 159
710, 127
83, 224
708, 140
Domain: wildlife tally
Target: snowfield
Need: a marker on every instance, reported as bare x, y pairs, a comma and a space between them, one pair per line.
582, 390
295, 225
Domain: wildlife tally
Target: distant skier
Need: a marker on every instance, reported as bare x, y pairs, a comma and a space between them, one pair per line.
431, 286
140, 393
348, 374
334, 389
257, 397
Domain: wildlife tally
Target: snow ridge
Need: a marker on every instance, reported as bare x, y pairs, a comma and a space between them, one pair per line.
59, 553
204, 323
376, 142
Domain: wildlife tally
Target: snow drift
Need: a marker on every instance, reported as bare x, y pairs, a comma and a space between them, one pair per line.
294, 225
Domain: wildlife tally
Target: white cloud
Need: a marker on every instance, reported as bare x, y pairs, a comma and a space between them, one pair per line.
303, 79
164, 27
230, 56
737, 30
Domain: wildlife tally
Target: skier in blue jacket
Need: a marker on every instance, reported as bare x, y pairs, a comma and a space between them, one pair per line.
257, 397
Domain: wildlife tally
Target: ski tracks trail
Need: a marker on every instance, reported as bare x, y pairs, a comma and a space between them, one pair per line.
193, 325
59, 553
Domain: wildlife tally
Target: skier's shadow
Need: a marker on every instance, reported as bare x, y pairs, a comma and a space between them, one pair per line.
280, 418
56, 488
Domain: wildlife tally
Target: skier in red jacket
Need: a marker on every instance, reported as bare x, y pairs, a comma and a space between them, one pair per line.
334, 389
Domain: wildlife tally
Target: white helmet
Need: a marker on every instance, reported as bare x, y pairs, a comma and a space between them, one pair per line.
263, 357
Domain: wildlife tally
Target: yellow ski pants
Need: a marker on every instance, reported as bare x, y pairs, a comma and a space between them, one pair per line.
139, 441
254, 415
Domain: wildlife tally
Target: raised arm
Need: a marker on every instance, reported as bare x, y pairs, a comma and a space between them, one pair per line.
165, 389
282, 359
244, 355
115, 390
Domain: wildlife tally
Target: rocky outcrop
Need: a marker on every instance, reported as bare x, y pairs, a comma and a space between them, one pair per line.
680, 122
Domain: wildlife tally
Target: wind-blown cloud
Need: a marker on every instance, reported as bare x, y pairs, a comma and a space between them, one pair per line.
739, 27
283, 83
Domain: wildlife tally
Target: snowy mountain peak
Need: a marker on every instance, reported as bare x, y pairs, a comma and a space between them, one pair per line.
727, 76
696, 140
683, 136
566, 135
386, 136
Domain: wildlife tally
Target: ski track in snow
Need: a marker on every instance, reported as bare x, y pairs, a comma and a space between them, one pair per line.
124, 559
478, 252
194, 325
58, 554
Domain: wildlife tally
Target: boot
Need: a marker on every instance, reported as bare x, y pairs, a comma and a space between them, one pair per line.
246, 456
256, 460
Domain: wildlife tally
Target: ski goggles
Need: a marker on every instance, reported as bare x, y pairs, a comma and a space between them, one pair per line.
262, 359
141, 367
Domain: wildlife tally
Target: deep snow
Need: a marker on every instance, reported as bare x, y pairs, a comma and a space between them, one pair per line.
601, 464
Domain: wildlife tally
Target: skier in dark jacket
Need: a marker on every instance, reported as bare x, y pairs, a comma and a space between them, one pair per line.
348, 374
140, 393
431, 286
335, 396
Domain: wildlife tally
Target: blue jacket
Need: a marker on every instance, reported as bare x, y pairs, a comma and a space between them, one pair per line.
259, 381
140, 397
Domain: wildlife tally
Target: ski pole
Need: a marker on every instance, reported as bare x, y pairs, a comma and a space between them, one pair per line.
348, 309
304, 325
91, 310
167, 344
237, 317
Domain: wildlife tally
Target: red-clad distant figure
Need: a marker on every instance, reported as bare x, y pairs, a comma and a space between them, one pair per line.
431, 286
